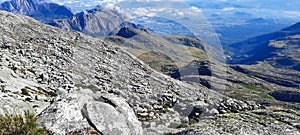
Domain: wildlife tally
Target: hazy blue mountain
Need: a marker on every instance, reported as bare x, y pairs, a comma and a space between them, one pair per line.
278, 49
237, 20
44, 12
166, 26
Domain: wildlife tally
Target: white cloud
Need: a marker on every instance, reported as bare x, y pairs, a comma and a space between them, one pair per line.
180, 13
228, 9
196, 9
144, 11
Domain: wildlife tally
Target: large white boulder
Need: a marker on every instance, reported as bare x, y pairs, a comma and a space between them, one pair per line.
110, 114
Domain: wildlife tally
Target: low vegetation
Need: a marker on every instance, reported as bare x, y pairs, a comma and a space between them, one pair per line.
267, 97
251, 87
278, 44
27, 91
20, 125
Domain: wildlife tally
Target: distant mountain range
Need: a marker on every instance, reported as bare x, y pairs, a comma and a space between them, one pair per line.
238, 20
279, 49
99, 21
95, 22
44, 12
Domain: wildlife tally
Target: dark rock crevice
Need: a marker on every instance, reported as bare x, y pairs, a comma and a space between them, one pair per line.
85, 115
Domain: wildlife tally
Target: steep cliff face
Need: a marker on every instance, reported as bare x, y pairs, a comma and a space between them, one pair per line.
64, 76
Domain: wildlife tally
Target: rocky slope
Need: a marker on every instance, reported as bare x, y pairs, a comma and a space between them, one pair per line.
258, 122
64, 76
44, 12
245, 82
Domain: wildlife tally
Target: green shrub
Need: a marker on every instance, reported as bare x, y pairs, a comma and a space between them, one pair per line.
25, 91
52, 94
17, 125
192, 121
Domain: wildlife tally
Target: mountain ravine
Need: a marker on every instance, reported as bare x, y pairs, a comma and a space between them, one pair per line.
75, 83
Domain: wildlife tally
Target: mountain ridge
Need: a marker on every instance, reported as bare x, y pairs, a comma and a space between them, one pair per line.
98, 21
270, 47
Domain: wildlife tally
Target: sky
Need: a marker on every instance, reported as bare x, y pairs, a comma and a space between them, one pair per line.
80, 5
270, 8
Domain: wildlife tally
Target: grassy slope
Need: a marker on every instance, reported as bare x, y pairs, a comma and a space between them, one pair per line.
144, 43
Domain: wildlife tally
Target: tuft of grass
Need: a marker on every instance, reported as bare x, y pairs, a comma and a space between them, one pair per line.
17, 125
